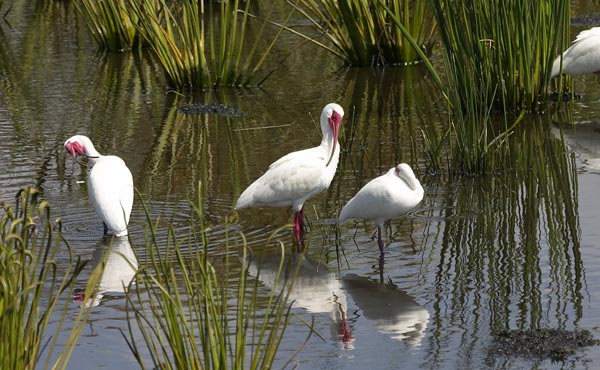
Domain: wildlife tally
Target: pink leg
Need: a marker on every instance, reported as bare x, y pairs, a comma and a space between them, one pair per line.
299, 228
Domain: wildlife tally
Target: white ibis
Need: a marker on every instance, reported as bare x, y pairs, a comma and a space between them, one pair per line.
385, 197
109, 183
298, 176
582, 57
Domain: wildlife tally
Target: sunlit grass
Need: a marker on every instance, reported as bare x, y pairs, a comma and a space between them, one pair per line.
34, 290
361, 33
191, 315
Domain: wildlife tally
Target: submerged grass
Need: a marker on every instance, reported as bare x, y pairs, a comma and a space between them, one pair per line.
361, 33
190, 315
34, 288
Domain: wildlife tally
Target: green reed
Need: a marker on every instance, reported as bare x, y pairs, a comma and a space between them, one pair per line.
360, 31
111, 23
202, 44
498, 57
191, 315
35, 290
506, 46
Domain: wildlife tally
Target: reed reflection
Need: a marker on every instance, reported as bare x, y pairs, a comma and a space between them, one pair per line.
584, 141
508, 254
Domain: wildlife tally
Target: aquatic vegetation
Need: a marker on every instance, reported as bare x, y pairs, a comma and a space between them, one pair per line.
520, 251
498, 59
192, 315
200, 47
111, 23
360, 31
507, 46
33, 287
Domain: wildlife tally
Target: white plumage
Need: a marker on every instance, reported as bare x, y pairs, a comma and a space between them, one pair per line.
298, 176
109, 183
385, 197
582, 57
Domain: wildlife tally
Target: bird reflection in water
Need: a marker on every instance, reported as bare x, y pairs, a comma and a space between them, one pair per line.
584, 140
391, 310
315, 289
119, 270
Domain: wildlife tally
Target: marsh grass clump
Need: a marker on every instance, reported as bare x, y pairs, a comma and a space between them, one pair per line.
360, 31
35, 289
111, 23
508, 45
203, 44
498, 57
192, 315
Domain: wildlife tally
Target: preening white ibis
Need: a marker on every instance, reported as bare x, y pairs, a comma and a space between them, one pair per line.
109, 183
297, 176
385, 197
582, 57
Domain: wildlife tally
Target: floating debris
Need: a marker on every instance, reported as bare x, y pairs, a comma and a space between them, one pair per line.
219, 109
566, 97
586, 20
542, 343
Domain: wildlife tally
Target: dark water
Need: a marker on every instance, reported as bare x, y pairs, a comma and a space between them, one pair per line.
513, 250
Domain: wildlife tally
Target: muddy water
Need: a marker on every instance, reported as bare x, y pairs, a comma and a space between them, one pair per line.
515, 250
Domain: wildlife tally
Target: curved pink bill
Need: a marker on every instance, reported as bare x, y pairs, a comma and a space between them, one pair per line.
335, 121
70, 149
74, 148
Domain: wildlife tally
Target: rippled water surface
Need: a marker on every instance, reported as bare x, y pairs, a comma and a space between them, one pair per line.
513, 250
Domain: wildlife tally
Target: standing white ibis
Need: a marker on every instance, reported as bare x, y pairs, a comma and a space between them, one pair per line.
297, 176
109, 183
582, 57
385, 197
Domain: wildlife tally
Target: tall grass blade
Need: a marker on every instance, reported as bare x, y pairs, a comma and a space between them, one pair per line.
35, 289
190, 314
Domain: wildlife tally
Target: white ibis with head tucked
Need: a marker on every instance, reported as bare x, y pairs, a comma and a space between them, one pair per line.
582, 57
297, 176
385, 197
109, 183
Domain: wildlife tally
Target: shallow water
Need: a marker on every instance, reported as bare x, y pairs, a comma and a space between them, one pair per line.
508, 251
